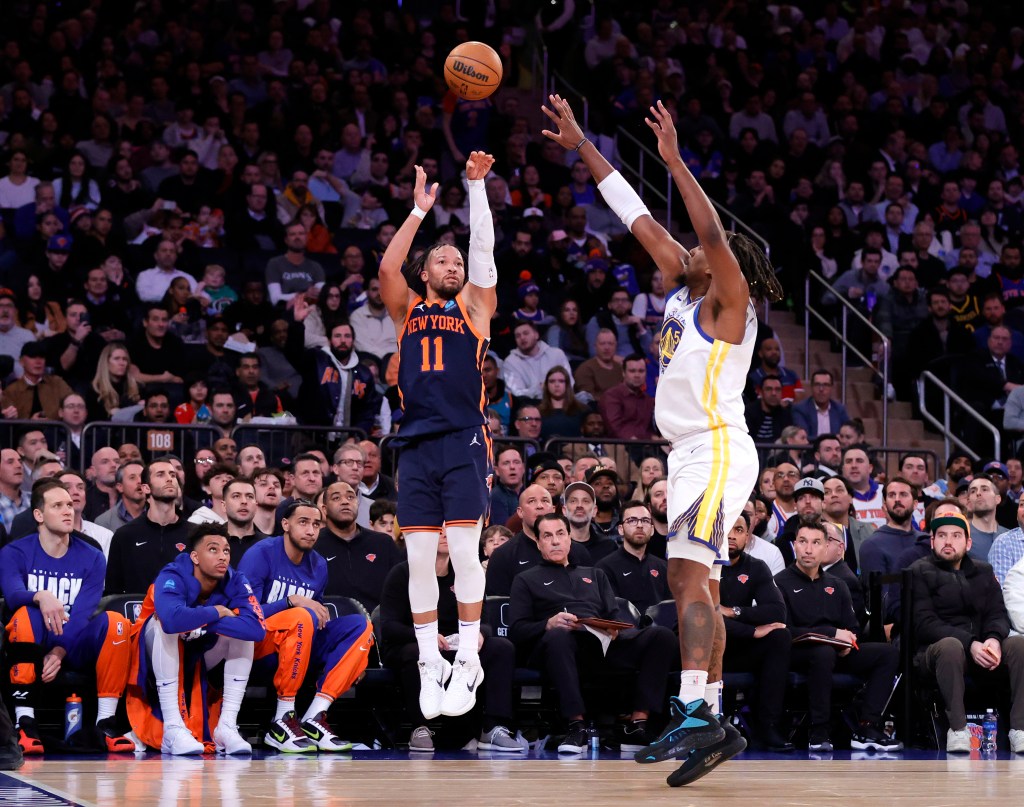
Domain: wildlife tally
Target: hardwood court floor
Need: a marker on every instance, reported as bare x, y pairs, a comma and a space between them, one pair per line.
370, 779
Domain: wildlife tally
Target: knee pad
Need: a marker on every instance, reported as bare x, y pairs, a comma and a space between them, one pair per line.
421, 548
464, 550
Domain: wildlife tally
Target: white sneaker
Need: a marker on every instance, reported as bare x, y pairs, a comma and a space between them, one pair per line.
1017, 741
958, 742
460, 696
179, 741
433, 676
227, 740
287, 735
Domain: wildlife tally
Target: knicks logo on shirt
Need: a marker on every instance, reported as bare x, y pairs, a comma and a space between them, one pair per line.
829, 590
371, 557
587, 580
743, 578
654, 572
671, 334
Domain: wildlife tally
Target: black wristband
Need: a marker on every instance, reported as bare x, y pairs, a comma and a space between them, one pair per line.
581, 144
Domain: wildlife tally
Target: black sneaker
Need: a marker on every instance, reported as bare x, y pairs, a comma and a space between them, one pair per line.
818, 740
11, 757
112, 739
869, 737
771, 739
28, 736
704, 760
576, 741
633, 736
691, 726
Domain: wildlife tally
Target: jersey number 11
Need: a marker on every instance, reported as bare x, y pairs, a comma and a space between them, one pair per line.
438, 354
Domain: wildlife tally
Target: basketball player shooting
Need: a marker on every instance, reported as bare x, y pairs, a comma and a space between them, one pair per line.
444, 461
707, 340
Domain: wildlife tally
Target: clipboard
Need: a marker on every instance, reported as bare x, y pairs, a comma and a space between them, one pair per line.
821, 638
604, 624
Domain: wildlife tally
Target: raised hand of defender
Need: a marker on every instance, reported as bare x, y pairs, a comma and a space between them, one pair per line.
665, 129
423, 198
569, 132
478, 165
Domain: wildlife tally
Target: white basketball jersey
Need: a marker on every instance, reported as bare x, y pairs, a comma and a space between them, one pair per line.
702, 379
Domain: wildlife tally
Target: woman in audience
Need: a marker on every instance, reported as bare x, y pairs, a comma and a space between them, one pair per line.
649, 306
185, 311
114, 386
327, 312
17, 188
77, 188
569, 334
318, 237
38, 311
561, 414
651, 468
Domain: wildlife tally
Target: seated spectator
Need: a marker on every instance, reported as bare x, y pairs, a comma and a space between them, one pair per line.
568, 333
770, 355
767, 416
834, 563
35, 394
580, 508
882, 551
293, 273
12, 336
544, 622
961, 626
375, 332
499, 399
334, 371
993, 312
599, 374
527, 422
631, 335
561, 414
508, 470
1008, 548
983, 500
821, 412
131, 498
491, 538
13, 499
256, 228
529, 362
813, 609
634, 573
529, 308
400, 652
757, 639
186, 310
993, 373
158, 357
868, 497
627, 408
784, 505
152, 284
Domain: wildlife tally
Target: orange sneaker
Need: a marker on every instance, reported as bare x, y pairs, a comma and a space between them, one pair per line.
28, 736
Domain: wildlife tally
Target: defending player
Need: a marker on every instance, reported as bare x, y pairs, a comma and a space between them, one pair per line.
288, 578
707, 340
444, 462
52, 581
197, 614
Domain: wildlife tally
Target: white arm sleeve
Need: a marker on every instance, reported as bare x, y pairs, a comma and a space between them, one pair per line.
481, 271
622, 199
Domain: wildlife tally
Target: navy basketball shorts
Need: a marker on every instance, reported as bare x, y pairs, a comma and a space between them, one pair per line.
444, 478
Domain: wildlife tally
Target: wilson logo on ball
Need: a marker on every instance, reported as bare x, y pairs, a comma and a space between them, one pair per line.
469, 71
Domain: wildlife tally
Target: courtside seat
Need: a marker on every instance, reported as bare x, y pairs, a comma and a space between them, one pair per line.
128, 605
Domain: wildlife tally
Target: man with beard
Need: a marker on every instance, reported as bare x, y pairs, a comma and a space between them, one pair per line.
881, 552
268, 483
101, 495
139, 550
288, 578
828, 454
605, 483
784, 505
914, 468
809, 495
337, 389
633, 572
358, 560
983, 501
657, 502
836, 509
580, 507
958, 465
868, 497
961, 625
767, 417
239, 497
74, 483
770, 354
508, 470
521, 553
132, 499
756, 636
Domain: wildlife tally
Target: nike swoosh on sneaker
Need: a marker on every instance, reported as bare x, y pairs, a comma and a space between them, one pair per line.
279, 737
314, 734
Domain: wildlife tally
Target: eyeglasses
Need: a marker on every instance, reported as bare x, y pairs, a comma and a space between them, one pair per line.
632, 521
526, 419
204, 461
351, 463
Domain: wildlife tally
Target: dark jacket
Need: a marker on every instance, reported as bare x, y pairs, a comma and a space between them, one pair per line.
357, 567
322, 387
643, 582
815, 606
517, 556
781, 417
139, 550
543, 591
966, 604
744, 582
843, 571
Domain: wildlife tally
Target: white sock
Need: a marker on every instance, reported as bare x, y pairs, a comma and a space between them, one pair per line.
237, 667
24, 711
284, 706
321, 703
426, 638
713, 697
105, 707
692, 684
469, 638
163, 648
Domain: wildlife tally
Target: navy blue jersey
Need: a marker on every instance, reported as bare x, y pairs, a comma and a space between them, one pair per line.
274, 577
439, 371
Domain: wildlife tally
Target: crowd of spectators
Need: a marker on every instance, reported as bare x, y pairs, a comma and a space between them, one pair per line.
195, 199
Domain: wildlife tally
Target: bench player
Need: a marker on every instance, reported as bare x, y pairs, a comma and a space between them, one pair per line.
288, 578
444, 460
707, 341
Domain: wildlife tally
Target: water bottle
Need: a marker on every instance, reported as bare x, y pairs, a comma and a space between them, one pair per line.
990, 730
595, 738
72, 717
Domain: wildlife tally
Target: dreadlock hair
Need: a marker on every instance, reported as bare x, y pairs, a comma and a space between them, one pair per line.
756, 268
418, 264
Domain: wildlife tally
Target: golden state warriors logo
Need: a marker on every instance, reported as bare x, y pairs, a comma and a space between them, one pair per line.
671, 333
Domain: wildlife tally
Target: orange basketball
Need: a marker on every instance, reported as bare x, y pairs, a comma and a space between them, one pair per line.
472, 70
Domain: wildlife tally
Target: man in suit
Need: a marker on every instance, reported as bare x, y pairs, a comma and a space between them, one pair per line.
993, 374
820, 413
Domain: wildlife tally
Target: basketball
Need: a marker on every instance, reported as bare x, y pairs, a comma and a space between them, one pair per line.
472, 70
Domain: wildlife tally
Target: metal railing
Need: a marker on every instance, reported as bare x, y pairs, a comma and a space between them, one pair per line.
560, 84
734, 222
539, 64
846, 308
950, 397
56, 432
278, 440
152, 439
